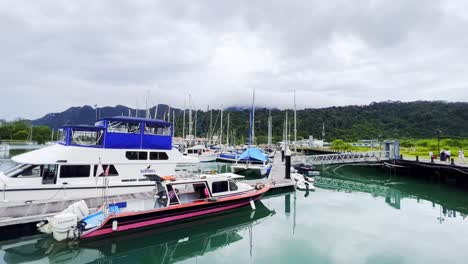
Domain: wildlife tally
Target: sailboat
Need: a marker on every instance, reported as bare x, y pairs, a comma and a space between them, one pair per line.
253, 160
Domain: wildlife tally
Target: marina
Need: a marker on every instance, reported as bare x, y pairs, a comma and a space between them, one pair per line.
251, 132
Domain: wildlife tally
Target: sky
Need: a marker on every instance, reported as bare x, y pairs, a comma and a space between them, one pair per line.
58, 54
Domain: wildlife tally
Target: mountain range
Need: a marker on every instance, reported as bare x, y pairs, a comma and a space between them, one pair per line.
389, 119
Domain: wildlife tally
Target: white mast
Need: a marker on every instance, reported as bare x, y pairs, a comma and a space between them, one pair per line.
253, 118
190, 122
195, 126
295, 127
269, 128
227, 132
221, 134
210, 133
183, 126
286, 128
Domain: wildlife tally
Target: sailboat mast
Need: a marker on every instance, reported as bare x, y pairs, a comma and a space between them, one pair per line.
183, 126
227, 133
295, 125
286, 128
195, 126
253, 117
190, 122
269, 128
210, 134
221, 134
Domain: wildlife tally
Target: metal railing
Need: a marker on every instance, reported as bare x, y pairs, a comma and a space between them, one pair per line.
340, 158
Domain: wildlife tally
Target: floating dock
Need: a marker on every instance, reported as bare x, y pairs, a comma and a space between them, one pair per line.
24, 217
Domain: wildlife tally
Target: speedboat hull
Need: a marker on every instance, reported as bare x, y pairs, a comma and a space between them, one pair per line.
134, 220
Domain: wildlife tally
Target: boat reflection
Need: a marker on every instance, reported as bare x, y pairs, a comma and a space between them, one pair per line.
394, 189
166, 244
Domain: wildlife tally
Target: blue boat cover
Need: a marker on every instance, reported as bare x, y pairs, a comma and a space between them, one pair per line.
253, 154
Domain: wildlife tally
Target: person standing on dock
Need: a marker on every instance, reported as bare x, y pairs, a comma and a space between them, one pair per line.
448, 154
431, 154
461, 155
442, 155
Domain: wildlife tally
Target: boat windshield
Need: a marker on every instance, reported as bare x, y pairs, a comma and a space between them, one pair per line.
23, 170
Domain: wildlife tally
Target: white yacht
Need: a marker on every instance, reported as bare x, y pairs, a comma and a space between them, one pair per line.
202, 153
122, 149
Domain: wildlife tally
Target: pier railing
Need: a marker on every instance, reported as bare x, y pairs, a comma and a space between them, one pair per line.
339, 158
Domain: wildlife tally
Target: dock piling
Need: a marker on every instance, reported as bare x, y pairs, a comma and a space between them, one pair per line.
288, 164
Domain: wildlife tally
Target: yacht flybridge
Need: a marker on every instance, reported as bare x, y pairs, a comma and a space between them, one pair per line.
120, 149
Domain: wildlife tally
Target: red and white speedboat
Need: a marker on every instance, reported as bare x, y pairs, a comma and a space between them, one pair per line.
175, 200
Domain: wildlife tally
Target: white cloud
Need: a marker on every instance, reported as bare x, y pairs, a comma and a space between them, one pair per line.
61, 54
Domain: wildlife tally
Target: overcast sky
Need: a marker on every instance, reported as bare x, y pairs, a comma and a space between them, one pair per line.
57, 54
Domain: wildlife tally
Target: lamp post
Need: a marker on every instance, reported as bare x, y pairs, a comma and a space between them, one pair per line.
438, 131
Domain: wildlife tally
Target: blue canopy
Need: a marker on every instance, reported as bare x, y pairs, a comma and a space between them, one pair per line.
253, 154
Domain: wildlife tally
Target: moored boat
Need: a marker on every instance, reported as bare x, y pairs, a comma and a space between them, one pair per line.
252, 161
122, 148
202, 153
175, 200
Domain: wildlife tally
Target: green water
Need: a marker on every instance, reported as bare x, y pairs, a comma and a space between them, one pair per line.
356, 215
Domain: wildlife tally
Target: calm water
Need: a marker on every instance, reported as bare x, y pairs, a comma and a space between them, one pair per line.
356, 215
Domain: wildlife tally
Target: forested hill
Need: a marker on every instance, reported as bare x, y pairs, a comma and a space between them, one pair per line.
390, 119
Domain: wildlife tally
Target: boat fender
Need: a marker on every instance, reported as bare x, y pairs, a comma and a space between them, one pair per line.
114, 225
259, 186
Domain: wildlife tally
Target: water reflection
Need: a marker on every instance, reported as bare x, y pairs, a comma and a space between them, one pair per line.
168, 244
395, 189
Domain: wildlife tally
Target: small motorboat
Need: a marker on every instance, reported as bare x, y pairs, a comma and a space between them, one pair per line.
307, 170
299, 177
175, 200
304, 185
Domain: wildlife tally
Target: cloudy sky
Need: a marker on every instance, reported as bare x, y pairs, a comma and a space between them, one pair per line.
57, 54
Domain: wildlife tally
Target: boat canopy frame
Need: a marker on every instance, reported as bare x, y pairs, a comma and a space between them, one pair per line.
120, 133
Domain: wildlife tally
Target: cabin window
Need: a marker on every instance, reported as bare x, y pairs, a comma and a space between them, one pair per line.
157, 129
123, 127
136, 155
86, 137
219, 186
233, 186
32, 171
74, 171
112, 170
158, 156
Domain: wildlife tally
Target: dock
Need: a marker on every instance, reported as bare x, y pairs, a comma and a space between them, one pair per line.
24, 217
276, 178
